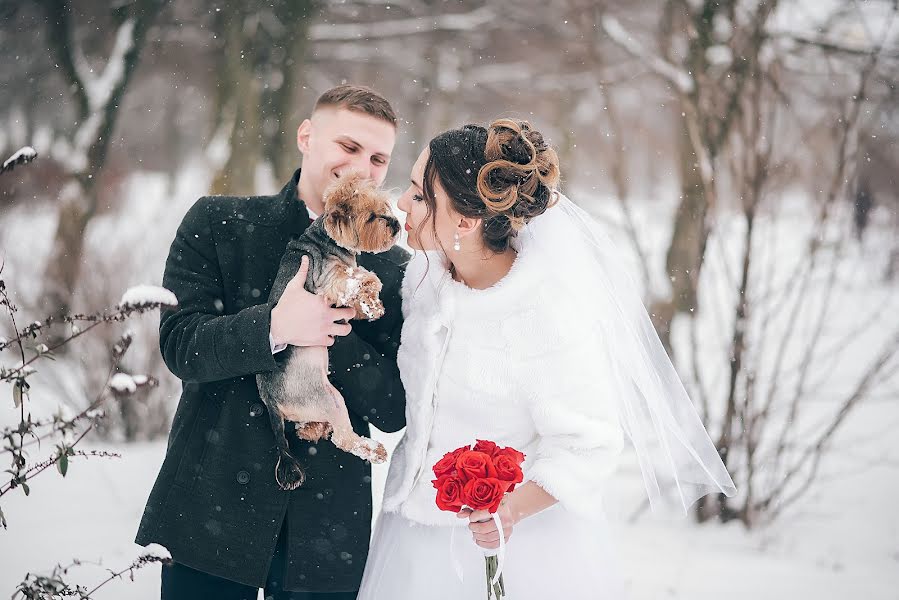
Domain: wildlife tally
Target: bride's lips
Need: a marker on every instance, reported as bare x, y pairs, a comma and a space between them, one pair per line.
408, 228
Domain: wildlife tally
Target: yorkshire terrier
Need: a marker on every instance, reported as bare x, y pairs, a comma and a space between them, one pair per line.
357, 218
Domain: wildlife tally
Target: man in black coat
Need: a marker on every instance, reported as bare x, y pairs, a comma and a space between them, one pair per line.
215, 505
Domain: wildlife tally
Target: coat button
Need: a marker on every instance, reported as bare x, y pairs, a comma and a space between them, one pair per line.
243, 477
256, 409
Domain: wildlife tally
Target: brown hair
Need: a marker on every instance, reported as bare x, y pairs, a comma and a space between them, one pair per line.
358, 98
505, 174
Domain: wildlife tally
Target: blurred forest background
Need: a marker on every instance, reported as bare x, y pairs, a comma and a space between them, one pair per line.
744, 153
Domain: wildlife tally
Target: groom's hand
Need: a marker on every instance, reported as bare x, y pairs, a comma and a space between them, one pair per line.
304, 319
483, 528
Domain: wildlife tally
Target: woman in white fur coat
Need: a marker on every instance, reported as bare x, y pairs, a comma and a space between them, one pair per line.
493, 349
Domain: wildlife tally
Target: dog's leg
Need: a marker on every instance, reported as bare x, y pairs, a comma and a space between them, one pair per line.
289, 473
348, 440
367, 301
354, 287
342, 434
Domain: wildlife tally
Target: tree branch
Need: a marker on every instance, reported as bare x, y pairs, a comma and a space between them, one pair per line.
345, 32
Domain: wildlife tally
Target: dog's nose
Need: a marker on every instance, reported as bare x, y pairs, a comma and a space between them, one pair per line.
394, 224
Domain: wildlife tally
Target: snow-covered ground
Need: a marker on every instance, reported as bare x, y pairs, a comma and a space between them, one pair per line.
842, 543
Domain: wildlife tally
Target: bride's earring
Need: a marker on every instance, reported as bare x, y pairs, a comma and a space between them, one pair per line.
456, 245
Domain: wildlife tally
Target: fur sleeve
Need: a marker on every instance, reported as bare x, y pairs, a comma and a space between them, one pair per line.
579, 435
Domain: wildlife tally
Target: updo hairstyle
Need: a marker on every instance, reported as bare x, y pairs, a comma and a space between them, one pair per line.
505, 174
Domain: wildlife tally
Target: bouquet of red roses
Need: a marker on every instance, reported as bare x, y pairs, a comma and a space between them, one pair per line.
477, 478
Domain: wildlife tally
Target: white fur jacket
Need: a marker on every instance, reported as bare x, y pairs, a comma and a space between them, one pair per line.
502, 364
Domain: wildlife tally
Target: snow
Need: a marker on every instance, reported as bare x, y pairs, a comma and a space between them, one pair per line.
157, 551
23, 154
123, 383
25, 370
141, 295
719, 54
841, 544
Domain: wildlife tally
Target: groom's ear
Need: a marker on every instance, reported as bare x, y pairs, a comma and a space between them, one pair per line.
304, 131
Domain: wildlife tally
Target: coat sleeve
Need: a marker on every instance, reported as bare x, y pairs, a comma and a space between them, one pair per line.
363, 363
198, 342
579, 435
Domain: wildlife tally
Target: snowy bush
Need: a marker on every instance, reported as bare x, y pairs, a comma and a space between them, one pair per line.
22, 352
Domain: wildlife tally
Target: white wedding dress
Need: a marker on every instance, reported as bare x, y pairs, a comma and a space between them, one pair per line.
558, 360
480, 365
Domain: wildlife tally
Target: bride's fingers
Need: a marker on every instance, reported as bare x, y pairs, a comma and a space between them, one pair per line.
485, 527
486, 538
479, 516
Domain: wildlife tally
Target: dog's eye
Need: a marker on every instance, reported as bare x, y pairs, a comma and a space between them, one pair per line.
372, 217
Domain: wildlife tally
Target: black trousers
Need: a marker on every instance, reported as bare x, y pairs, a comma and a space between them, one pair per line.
180, 582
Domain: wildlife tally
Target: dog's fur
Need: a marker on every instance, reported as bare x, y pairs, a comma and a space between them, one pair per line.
357, 218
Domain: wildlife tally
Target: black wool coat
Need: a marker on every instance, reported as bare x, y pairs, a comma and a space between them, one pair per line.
215, 504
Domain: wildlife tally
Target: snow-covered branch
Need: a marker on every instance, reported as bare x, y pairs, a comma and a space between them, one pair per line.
341, 32
100, 89
677, 77
22, 156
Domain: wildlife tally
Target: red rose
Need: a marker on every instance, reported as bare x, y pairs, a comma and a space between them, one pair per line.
484, 493
445, 465
508, 470
449, 493
472, 465
512, 453
487, 447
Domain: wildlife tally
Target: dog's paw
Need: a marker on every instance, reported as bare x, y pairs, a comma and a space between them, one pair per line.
368, 303
370, 450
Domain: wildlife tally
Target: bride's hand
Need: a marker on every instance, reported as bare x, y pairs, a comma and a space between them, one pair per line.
483, 528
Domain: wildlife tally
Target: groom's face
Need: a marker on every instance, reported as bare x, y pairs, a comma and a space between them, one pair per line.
337, 140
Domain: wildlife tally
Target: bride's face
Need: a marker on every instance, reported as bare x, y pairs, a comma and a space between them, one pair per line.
428, 231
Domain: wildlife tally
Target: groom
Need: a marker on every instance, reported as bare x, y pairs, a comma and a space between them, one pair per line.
215, 505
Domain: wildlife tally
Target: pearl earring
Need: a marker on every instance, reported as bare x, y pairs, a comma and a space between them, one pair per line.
456, 245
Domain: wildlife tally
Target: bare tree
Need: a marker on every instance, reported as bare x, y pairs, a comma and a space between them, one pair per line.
97, 100
775, 460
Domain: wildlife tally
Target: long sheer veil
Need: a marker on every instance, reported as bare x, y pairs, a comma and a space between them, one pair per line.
678, 460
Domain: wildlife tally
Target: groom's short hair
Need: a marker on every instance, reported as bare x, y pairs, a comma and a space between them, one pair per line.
357, 98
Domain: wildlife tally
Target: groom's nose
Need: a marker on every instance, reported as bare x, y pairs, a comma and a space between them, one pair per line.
363, 166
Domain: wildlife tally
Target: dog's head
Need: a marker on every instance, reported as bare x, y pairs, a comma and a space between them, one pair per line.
358, 216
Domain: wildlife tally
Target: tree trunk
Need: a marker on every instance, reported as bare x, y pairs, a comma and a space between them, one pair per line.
77, 207
78, 200
685, 251
282, 149
243, 93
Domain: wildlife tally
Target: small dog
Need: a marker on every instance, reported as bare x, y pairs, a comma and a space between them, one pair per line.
357, 218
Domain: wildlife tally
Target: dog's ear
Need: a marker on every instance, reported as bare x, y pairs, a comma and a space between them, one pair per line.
338, 220
344, 189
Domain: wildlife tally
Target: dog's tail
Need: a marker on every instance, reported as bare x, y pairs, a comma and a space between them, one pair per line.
289, 474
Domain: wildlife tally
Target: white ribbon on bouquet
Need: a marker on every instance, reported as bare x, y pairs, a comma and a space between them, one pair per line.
500, 552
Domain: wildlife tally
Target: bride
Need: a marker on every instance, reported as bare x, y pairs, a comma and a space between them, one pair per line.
522, 328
